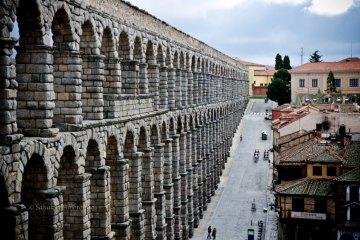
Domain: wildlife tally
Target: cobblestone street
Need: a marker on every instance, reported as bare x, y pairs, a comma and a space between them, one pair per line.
243, 182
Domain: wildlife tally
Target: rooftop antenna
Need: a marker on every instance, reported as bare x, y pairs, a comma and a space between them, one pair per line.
351, 48
302, 55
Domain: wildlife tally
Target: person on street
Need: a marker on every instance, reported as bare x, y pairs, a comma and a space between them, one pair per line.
240, 137
214, 233
209, 233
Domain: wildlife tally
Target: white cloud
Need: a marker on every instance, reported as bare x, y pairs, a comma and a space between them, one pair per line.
190, 9
330, 7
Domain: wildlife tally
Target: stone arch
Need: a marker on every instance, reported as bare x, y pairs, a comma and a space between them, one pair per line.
176, 60
92, 78
124, 46
179, 125
182, 60
138, 50
30, 22
72, 197
168, 59
67, 102
99, 213
160, 56
172, 126
34, 185
164, 131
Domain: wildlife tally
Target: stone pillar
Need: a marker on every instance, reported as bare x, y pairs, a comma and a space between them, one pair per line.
184, 88
163, 88
159, 191
45, 214
112, 86
119, 187
135, 206
177, 186
178, 88
171, 88
200, 88
190, 192
154, 81
100, 203
147, 195
204, 167
199, 173
68, 89
92, 87
207, 88
168, 187
35, 97
14, 222
184, 185
8, 95
196, 93
190, 77
143, 78
130, 77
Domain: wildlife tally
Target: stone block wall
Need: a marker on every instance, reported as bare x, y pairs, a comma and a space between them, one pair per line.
111, 130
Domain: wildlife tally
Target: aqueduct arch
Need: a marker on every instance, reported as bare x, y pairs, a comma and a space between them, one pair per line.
114, 120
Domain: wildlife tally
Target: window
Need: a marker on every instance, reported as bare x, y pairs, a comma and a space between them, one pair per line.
354, 194
320, 205
302, 83
298, 204
314, 83
337, 82
331, 171
317, 170
355, 214
354, 82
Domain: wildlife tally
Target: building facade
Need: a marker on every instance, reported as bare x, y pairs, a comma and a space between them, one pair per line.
259, 78
309, 81
114, 125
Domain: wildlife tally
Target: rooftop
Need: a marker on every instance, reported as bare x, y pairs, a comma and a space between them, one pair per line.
306, 187
269, 71
346, 65
351, 176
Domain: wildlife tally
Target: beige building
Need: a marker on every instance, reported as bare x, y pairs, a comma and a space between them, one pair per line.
259, 78
309, 81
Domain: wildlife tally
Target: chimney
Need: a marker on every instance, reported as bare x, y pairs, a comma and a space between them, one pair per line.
318, 129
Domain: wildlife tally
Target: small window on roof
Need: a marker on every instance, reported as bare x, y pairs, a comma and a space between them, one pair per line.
331, 171
317, 170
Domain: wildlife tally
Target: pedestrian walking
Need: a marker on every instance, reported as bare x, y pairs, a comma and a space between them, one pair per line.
240, 138
209, 233
214, 233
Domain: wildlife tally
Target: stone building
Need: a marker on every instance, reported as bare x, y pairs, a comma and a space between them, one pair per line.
309, 82
114, 125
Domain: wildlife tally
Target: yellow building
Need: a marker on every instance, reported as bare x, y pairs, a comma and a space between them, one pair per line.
259, 78
309, 81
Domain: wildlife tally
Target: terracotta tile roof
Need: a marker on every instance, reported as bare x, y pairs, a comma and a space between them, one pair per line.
326, 156
289, 117
325, 67
266, 72
307, 150
292, 136
306, 187
352, 155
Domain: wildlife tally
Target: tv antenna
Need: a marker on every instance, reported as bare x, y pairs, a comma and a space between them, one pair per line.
302, 55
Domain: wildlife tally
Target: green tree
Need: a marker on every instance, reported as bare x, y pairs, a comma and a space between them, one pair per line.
331, 85
315, 57
279, 91
283, 74
286, 62
278, 62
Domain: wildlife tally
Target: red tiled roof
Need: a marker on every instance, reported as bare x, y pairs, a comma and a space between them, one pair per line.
267, 72
350, 65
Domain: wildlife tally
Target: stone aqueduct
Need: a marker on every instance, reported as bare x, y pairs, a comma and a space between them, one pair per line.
114, 125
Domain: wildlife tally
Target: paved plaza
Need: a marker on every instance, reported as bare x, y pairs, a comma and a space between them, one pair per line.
244, 181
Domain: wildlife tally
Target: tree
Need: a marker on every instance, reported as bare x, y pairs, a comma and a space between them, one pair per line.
278, 62
315, 57
286, 63
331, 85
279, 91
282, 74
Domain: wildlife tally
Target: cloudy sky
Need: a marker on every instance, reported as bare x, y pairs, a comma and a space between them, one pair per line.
255, 30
